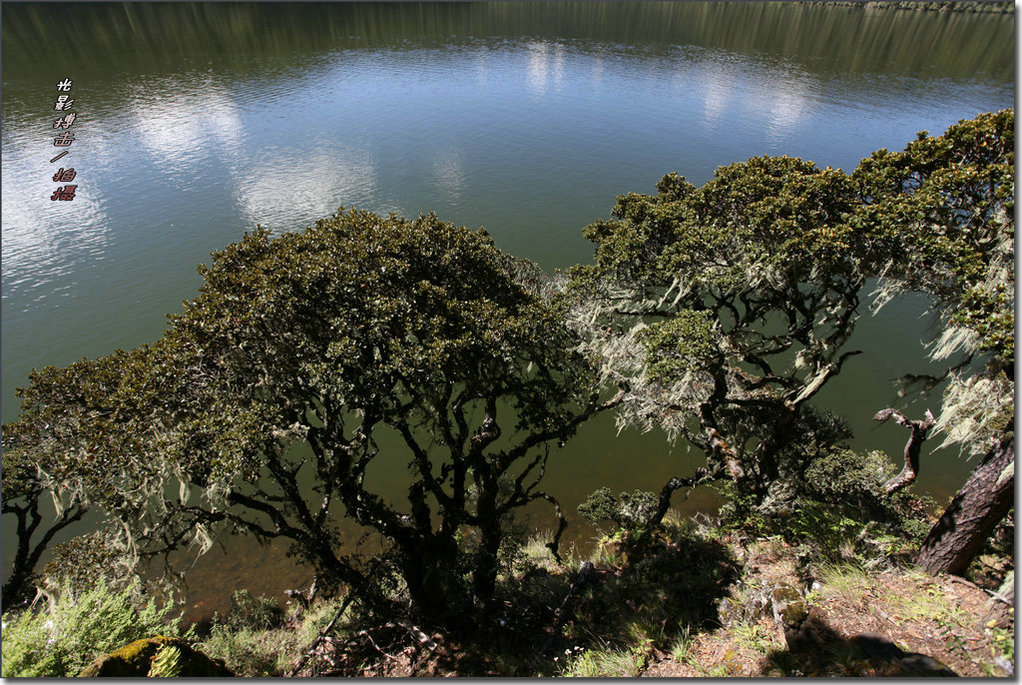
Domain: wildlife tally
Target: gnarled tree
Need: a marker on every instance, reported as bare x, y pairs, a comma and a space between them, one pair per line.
939, 218
62, 458
725, 309
265, 401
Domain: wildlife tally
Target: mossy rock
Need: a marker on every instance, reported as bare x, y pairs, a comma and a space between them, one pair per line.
136, 661
789, 607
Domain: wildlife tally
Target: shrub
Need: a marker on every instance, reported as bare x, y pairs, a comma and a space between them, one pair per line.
256, 613
629, 512
59, 641
837, 509
252, 651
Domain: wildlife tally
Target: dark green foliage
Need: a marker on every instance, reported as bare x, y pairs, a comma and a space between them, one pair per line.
68, 446
681, 345
629, 512
840, 511
264, 401
67, 433
76, 564
253, 613
939, 217
725, 308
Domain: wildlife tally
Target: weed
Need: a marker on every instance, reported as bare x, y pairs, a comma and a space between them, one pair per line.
1003, 640
927, 602
596, 663
682, 646
755, 637
719, 671
847, 580
255, 613
261, 652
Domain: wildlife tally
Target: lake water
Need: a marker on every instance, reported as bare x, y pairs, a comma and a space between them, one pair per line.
197, 122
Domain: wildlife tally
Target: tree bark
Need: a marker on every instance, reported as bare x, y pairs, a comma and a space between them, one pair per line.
974, 512
430, 569
484, 576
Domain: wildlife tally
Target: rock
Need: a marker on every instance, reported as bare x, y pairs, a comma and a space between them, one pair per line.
174, 655
790, 611
789, 607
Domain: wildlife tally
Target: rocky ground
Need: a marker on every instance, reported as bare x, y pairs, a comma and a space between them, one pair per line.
856, 623
776, 619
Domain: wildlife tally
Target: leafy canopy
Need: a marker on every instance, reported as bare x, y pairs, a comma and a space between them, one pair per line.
939, 218
725, 308
727, 303
264, 402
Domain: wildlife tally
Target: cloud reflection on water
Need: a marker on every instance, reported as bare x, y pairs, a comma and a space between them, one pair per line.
45, 242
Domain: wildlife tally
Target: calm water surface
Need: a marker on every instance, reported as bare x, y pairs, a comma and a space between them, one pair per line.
197, 122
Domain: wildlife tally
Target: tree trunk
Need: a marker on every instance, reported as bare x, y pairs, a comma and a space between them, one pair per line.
973, 513
434, 582
19, 585
484, 576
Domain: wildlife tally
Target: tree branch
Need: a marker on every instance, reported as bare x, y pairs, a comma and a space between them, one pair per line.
912, 447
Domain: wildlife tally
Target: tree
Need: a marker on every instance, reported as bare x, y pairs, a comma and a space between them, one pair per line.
265, 401
61, 450
725, 309
939, 218
24, 492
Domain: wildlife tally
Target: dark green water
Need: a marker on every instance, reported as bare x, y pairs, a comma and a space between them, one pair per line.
198, 121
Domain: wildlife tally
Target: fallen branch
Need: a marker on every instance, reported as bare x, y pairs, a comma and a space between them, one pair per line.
366, 635
912, 447
419, 636
997, 595
352, 595
963, 581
